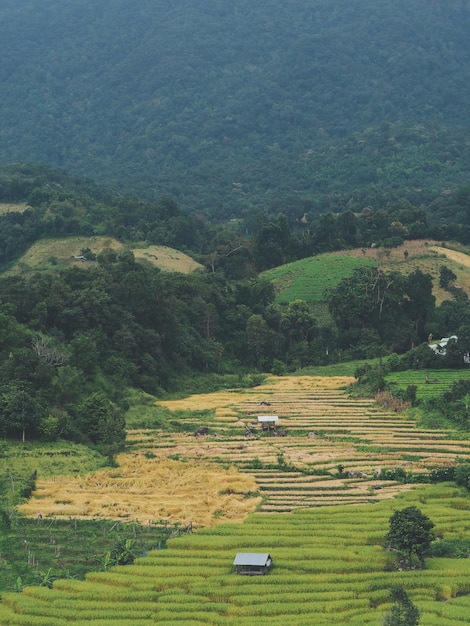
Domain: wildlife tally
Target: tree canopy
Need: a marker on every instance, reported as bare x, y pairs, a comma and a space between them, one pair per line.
300, 106
411, 532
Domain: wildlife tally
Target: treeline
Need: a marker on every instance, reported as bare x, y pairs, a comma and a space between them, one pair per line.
59, 205
72, 341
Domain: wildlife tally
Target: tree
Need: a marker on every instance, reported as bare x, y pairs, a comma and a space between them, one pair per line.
102, 423
403, 612
258, 336
411, 532
20, 411
462, 475
419, 303
446, 277
297, 321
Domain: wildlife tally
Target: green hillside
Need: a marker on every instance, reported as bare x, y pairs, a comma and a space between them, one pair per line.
229, 106
308, 279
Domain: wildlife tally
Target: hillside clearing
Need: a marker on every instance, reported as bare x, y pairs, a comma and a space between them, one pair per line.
309, 278
50, 254
9, 207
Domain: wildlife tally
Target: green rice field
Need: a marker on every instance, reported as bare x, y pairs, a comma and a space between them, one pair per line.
429, 383
308, 279
329, 568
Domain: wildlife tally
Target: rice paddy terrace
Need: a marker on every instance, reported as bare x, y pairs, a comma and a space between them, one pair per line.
328, 449
330, 565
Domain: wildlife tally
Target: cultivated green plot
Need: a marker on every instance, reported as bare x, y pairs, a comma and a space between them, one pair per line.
309, 278
429, 383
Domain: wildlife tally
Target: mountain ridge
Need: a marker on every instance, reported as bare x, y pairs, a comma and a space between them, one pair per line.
226, 108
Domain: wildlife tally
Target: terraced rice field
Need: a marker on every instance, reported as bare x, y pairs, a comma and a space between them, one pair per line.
428, 384
330, 565
332, 448
324, 428
329, 568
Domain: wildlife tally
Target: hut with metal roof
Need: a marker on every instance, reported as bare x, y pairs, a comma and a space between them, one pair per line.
252, 563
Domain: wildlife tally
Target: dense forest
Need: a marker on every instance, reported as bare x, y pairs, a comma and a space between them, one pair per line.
72, 340
231, 107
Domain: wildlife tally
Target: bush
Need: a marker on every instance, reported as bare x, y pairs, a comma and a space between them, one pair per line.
278, 368
391, 401
462, 475
451, 549
49, 428
403, 612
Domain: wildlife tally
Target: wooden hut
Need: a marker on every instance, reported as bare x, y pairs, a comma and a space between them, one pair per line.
252, 563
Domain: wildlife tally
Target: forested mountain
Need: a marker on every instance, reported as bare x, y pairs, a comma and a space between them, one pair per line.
225, 106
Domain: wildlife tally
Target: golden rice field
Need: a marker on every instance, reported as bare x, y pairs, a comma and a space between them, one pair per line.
230, 472
148, 489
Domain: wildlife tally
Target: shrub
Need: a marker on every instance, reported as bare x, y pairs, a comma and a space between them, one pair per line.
462, 475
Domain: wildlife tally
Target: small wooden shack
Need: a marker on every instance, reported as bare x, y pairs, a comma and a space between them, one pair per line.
252, 563
268, 422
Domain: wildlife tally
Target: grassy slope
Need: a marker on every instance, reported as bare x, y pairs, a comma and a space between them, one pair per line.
308, 279
47, 254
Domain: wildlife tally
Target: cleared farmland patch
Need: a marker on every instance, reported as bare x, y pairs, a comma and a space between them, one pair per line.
52, 254
13, 207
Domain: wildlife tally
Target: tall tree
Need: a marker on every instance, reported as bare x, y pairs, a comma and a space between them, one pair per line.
419, 302
257, 336
20, 411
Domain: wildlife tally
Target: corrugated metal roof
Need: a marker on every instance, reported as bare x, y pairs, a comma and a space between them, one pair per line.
251, 558
268, 418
